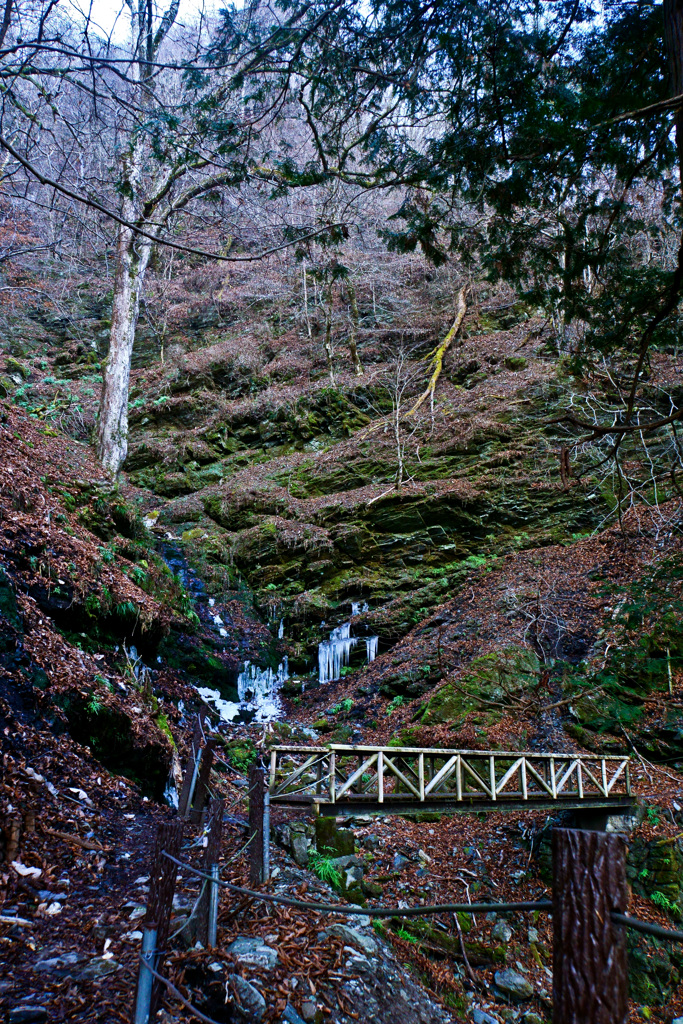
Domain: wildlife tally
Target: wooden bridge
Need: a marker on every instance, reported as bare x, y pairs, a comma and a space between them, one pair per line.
340, 779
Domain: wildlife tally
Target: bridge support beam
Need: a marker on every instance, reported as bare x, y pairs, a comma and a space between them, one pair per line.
590, 979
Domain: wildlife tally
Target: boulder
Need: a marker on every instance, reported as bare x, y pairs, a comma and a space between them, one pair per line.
252, 951
482, 1017
248, 998
97, 968
299, 847
501, 932
27, 1015
513, 986
61, 966
364, 943
290, 1016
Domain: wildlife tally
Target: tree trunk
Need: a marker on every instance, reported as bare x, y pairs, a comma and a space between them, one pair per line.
112, 432
673, 38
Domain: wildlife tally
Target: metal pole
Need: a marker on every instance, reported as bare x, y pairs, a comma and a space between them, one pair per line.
213, 905
145, 977
257, 790
266, 836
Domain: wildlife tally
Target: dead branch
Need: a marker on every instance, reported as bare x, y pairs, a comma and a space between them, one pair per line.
437, 359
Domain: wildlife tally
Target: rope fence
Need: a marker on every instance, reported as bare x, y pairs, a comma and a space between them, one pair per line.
589, 898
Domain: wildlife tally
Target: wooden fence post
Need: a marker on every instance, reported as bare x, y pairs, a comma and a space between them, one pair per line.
257, 791
202, 785
590, 976
191, 772
162, 879
212, 856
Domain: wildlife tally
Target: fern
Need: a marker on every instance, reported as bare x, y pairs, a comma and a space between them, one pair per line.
324, 868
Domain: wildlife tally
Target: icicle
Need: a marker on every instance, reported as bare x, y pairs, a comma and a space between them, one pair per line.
371, 643
281, 630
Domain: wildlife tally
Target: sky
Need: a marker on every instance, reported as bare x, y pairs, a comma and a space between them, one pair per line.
110, 15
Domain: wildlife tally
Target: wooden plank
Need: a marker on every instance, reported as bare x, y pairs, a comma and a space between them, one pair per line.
295, 775
333, 776
500, 786
380, 777
399, 774
477, 778
442, 752
616, 776
352, 779
458, 777
492, 776
273, 768
553, 780
542, 782
421, 775
522, 774
598, 785
573, 767
446, 770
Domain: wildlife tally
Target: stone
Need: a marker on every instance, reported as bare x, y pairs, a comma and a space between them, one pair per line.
340, 842
290, 1016
353, 874
512, 985
300, 844
249, 999
371, 888
97, 968
27, 1015
371, 842
532, 1018
364, 943
677, 1020
59, 965
400, 862
482, 1017
341, 863
501, 931
252, 951
309, 1010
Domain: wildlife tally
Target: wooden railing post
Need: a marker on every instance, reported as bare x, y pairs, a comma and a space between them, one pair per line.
590, 979
162, 879
191, 772
257, 789
202, 785
212, 856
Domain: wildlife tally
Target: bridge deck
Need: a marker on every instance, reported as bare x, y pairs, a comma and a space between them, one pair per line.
342, 779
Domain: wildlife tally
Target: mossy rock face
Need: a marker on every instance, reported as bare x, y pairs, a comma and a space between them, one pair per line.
488, 681
17, 368
515, 363
8, 601
339, 842
110, 735
655, 870
654, 969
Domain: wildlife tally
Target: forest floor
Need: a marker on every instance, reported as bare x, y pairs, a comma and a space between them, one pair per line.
102, 648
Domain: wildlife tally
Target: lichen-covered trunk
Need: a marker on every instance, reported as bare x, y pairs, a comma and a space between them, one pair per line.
132, 258
673, 40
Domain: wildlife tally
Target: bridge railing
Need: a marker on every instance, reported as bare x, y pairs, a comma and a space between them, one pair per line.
339, 773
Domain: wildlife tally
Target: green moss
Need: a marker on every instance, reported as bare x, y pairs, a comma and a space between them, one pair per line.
484, 689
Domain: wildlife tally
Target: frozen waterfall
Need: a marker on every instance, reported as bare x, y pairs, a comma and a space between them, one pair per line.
257, 690
335, 653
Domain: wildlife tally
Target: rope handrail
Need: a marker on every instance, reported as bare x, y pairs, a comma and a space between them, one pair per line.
344, 908
447, 908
